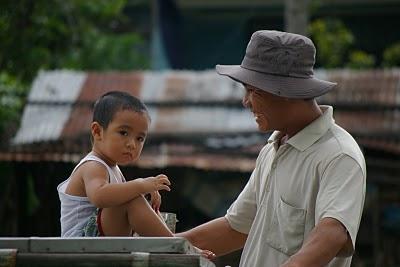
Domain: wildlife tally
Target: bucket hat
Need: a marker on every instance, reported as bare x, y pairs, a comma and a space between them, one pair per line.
280, 63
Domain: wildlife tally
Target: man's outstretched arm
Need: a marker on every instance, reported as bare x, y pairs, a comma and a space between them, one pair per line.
216, 236
327, 240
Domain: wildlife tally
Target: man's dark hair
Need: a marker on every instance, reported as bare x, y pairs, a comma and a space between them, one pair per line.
112, 102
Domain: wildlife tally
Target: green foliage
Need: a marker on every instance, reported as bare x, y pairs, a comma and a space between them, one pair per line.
12, 93
391, 56
360, 60
107, 51
333, 41
44, 34
78, 34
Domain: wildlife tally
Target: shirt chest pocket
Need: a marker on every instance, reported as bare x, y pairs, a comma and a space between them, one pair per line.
286, 230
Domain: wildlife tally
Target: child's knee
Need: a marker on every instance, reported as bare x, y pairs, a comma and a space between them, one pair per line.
138, 202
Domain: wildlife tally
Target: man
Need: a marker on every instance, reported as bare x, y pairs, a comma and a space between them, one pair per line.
303, 202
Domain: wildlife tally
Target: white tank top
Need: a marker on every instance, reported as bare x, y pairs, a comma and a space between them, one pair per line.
76, 210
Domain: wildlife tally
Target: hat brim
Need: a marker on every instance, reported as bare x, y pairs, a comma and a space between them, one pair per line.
290, 87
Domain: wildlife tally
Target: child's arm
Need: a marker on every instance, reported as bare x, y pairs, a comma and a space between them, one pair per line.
103, 194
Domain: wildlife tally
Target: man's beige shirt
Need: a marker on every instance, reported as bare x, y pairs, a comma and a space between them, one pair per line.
319, 172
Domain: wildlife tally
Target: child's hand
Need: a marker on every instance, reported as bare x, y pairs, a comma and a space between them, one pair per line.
155, 200
151, 184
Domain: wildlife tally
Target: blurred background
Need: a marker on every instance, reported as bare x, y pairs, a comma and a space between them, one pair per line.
57, 57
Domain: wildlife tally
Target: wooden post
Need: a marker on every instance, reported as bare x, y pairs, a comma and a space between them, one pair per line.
297, 16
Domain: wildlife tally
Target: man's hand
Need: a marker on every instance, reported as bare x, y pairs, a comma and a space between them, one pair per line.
216, 236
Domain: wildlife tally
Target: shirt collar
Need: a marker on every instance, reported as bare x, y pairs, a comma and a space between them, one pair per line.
311, 133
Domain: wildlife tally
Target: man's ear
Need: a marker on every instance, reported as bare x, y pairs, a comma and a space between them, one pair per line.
97, 131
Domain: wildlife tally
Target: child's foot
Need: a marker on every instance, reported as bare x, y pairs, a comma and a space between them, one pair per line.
206, 253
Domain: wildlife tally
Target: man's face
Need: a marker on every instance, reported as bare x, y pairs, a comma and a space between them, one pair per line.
268, 109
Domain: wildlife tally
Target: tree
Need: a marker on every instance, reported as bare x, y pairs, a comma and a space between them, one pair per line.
78, 34
391, 56
333, 41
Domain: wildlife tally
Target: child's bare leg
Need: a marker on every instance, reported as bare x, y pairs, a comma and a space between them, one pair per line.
136, 215
144, 220
114, 221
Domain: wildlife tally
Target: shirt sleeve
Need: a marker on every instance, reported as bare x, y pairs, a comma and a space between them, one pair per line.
342, 193
241, 213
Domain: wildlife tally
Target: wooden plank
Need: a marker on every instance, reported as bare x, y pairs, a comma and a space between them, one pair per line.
111, 244
101, 251
167, 260
111, 259
99, 244
77, 260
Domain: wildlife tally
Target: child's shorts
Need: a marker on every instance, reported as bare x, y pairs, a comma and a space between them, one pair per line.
93, 226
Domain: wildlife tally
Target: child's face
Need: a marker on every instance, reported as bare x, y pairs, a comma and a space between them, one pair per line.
122, 141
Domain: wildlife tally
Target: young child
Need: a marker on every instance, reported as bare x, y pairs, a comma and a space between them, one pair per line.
96, 200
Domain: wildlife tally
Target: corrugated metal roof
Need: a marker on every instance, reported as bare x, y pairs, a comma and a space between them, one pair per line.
171, 120
153, 86
210, 86
78, 123
53, 116
98, 84
201, 120
201, 86
57, 86
44, 122
370, 86
195, 114
77, 91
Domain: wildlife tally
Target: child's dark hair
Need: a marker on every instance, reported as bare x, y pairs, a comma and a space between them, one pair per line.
112, 102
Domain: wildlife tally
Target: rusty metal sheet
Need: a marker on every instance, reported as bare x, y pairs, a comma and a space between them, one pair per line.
191, 86
201, 120
98, 83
